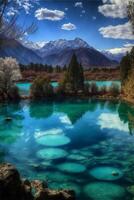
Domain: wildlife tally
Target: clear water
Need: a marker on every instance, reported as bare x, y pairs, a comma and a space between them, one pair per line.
84, 145
24, 87
104, 83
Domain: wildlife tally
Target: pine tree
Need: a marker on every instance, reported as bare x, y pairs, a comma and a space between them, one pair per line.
125, 67
74, 78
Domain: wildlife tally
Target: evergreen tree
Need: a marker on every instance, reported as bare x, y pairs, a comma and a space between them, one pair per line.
128, 87
74, 77
125, 67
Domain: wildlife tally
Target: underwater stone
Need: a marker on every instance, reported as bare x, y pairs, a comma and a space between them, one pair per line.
58, 178
76, 157
51, 153
8, 119
67, 186
71, 167
12, 187
104, 191
130, 189
53, 140
106, 173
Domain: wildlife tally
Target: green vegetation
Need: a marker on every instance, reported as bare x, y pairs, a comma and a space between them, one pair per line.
41, 88
125, 67
114, 90
42, 68
73, 80
128, 80
94, 89
72, 84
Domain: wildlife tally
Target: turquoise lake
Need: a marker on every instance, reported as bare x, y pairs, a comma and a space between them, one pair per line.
25, 87
85, 145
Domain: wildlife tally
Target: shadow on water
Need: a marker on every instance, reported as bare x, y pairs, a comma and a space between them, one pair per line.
41, 110
126, 114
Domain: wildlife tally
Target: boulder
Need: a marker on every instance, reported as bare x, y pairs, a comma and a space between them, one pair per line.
55, 195
12, 187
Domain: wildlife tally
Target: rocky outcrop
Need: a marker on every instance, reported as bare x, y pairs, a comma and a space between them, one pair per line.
12, 187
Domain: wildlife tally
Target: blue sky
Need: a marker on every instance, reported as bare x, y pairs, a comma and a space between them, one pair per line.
102, 23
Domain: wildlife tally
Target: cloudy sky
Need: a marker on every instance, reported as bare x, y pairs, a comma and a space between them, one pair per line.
102, 23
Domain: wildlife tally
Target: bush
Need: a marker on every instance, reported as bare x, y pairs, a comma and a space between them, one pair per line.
114, 89
60, 90
42, 88
128, 88
86, 88
103, 89
13, 94
94, 89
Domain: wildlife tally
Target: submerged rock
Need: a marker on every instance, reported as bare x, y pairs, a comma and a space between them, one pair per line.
106, 173
8, 119
55, 195
71, 167
51, 153
53, 140
104, 191
130, 189
12, 187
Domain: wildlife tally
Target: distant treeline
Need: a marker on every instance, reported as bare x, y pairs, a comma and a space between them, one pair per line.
58, 69
44, 68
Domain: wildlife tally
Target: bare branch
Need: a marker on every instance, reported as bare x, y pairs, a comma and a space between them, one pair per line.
10, 29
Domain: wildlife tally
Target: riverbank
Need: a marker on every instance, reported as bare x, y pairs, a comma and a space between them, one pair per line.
106, 97
13, 187
97, 74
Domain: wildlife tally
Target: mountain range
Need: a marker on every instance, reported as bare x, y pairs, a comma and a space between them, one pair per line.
114, 56
57, 52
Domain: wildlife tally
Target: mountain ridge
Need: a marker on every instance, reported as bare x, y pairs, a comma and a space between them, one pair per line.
58, 52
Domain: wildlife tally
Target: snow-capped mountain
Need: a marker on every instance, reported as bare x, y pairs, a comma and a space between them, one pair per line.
16, 50
117, 53
34, 45
60, 45
57, 52
113, 56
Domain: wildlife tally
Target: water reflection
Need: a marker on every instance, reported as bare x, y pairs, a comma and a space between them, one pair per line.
126, 114
41, 110
10, 122
44, 139
76, 109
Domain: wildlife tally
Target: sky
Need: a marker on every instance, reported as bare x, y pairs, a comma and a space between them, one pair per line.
101, 23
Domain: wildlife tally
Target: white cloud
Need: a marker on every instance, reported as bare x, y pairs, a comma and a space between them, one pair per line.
12, 12
114, 8
129, 45
79, 4
94, 17
66, 9
122, 50
15, 6
53, 15
27, 6
68, 27
83, 11
112, 121
121, 31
